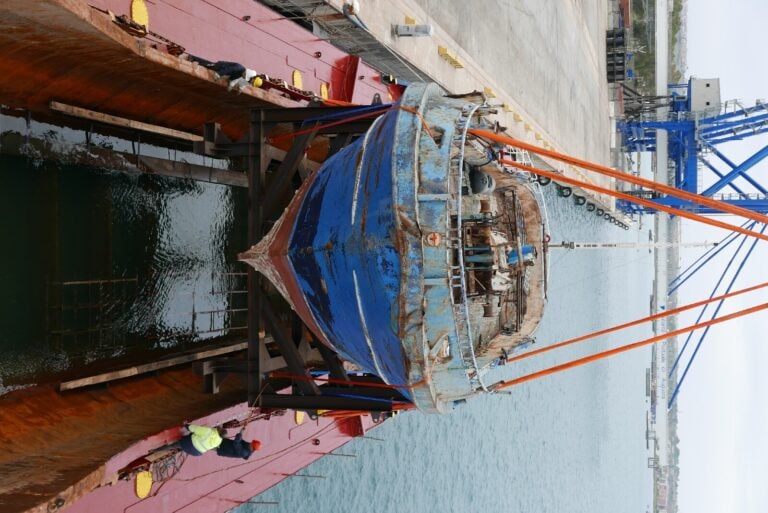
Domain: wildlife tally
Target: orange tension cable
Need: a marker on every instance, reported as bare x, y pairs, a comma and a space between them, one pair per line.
346, 382
288, 135
340, 103
633, 199
653, 317
354, 118
672, 191
625, 348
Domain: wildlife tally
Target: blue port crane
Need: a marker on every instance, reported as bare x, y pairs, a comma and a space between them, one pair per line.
697, 124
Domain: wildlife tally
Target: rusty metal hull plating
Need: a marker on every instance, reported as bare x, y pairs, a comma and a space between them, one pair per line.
364, 252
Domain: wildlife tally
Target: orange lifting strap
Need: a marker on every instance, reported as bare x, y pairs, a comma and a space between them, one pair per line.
650, 184
653, 317
633, 199
628, 347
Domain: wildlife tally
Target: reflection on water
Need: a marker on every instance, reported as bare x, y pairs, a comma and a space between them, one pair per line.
101, 264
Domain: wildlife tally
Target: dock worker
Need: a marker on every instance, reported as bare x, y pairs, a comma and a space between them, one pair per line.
201, 439
504, 357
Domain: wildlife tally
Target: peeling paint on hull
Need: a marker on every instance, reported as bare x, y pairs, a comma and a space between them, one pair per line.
362, 253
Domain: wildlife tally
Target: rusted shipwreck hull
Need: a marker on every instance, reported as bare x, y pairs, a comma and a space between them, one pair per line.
393, 259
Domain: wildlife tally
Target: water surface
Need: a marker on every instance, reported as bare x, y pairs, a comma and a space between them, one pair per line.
103, 267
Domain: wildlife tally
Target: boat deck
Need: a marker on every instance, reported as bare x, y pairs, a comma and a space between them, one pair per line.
497, 312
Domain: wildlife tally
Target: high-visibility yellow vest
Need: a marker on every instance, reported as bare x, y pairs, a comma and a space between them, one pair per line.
204, 438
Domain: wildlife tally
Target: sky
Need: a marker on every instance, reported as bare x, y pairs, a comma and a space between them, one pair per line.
723, 405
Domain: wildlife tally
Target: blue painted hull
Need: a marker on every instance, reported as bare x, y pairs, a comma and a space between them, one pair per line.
369, 254
342, 249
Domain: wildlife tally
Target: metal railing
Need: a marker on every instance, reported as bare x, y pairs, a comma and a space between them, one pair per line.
110, 312
524, 157
732, 196
457, 280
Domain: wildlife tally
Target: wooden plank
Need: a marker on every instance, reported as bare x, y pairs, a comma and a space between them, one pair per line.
150, 367
196, 172
108, 119
102, 158
293, 357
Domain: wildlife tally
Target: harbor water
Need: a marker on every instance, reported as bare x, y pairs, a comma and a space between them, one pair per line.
103, 269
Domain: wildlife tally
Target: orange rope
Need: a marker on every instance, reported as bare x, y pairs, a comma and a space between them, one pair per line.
288, 135
357, 413
344, 413
653, 317
625, 348
340, 103
346, 382
633, 199
672, 191
417, 113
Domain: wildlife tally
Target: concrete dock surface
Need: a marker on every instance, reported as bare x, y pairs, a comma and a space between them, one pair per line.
543, 59
548, 56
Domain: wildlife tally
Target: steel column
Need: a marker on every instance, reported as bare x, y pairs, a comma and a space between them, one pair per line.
737, 113
738, 137
718, 173
257, 166
737, 171
287, 169
732, 165
288, 349
732, 125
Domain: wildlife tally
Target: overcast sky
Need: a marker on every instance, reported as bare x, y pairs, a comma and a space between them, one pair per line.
723, 417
